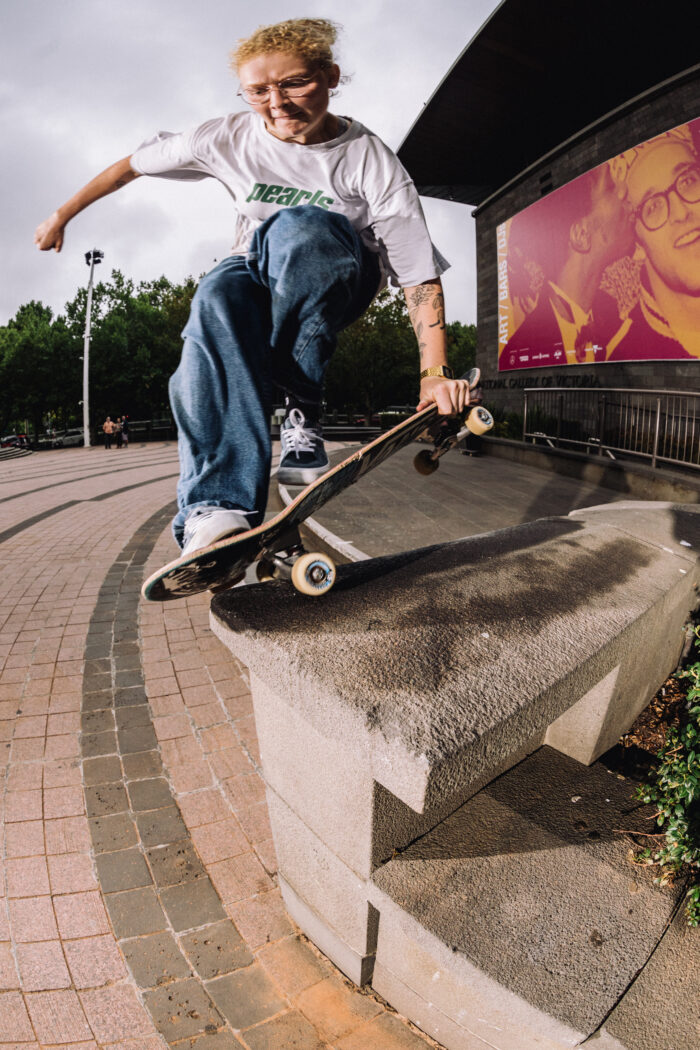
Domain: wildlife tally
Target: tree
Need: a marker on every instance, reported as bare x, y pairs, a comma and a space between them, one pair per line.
375, 362
461, 346
38, 365
135, 344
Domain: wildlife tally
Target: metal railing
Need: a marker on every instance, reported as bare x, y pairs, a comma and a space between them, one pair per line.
662, 426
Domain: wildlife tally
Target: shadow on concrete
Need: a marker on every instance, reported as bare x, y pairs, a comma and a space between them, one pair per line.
546, 802
441, 589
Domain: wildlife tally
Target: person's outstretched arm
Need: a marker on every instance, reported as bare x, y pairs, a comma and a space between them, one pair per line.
426, 309
50, 233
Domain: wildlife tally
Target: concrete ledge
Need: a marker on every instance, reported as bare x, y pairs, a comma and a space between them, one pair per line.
393, 711
564, 601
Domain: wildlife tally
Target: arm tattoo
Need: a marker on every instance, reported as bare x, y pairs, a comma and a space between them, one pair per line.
439, 307
419, 337
421, 296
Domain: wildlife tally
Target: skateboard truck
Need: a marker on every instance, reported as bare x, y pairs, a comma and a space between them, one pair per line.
311, 572
447, 433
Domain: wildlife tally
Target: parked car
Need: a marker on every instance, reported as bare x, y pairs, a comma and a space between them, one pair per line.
15, 441
66, 438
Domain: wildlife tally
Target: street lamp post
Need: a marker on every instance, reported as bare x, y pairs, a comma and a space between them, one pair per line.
92, 259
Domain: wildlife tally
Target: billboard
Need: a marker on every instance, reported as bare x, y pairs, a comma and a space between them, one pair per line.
607, 268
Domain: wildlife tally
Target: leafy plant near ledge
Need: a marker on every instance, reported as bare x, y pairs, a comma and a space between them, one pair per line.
676, 794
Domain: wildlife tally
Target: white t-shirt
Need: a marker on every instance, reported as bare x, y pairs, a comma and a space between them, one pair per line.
355, 174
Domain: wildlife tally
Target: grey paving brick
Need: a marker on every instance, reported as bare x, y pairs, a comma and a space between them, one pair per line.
217, 950
97, 721
135, 912
130, 662
141, 738
142, 764
95, 682
192, 904
150, 794
97, 701
246, 997
128, 717
159, 827
97, 667
125, 648
103, 799
182, 1009
155, 959
93, 744
132, 695
128, 678
97, 650
124, 870
174, 864
102, 770
113, 833
98, 628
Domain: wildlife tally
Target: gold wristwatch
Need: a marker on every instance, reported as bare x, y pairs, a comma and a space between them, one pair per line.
439, 370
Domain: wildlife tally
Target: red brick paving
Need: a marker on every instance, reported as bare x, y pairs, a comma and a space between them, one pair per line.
63, 976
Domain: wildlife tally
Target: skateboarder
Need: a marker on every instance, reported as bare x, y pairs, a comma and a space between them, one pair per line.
326, 215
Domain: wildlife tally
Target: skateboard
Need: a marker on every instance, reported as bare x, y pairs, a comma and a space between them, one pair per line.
276, 544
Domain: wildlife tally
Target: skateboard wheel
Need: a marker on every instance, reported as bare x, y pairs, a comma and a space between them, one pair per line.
424, 462
313, 574
479, 420
263, 571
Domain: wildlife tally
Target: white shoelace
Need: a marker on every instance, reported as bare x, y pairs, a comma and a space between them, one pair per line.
297, 437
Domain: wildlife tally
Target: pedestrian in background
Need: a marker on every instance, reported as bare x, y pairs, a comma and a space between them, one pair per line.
108, 429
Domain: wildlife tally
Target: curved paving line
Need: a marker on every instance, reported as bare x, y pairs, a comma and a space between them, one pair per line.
75, 478
27, 523
183, 951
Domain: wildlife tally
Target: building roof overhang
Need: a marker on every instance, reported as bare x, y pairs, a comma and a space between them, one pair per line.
535, 75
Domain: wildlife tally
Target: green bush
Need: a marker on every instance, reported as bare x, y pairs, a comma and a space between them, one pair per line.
676, 794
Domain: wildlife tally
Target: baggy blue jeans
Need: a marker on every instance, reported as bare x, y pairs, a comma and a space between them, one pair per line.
271, 317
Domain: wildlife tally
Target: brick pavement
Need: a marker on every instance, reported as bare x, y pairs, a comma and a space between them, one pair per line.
140, 903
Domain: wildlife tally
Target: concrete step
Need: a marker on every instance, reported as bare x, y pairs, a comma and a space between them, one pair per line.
521, 921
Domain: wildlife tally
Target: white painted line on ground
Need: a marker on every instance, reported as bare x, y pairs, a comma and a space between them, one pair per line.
343, 547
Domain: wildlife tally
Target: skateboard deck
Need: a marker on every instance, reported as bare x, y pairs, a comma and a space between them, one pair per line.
276, 544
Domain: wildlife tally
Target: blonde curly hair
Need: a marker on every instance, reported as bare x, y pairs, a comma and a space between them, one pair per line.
311, 38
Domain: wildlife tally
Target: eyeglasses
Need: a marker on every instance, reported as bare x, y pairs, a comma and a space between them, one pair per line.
654, 211
292, 87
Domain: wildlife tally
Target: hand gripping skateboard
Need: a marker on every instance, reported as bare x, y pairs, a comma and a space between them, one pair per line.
276, 544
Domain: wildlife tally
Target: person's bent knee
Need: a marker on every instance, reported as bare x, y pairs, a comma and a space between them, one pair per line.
307, 221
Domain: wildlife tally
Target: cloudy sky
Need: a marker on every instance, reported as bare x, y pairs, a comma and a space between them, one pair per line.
83, 82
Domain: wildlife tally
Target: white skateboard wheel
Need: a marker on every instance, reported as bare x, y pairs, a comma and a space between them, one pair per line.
313, 574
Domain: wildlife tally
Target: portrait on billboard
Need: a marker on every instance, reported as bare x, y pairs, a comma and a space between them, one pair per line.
607, 268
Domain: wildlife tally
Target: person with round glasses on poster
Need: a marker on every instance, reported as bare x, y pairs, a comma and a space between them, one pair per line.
661, 181
325, 216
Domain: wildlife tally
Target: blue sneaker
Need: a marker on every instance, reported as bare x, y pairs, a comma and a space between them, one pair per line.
304, 457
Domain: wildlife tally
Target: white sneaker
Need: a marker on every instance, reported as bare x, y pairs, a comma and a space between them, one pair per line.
206, 525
